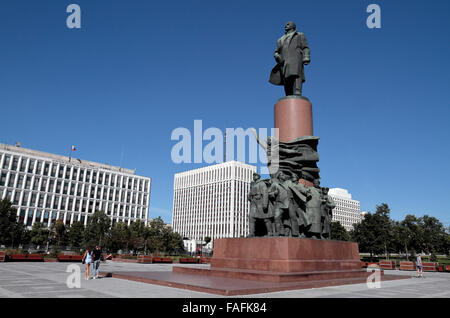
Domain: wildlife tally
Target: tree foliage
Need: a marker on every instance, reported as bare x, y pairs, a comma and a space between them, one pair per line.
338, 232
39, 234
7, 222
97, 228
75, 234
378, 234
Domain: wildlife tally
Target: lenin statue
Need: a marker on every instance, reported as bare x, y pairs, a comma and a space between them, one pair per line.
291, 54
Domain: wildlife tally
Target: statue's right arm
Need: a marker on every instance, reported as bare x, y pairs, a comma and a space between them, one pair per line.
260, 142
277, 53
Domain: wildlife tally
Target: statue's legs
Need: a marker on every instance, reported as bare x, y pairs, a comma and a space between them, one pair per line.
279, 231
251, 226
293, 85
268, 224
294, 220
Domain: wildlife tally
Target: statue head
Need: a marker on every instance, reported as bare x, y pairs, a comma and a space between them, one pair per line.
256, 177
281, 176
290, 26
316, 183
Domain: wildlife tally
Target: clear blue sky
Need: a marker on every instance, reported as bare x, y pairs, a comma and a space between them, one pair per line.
139, 69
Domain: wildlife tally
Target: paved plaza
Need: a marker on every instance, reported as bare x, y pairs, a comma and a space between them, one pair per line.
48, 280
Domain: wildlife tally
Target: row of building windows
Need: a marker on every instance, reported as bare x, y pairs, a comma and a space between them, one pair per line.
39, 200
213, 176
70, 172
49, 185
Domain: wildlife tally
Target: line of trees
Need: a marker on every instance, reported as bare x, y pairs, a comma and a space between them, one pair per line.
156, 237
379, 234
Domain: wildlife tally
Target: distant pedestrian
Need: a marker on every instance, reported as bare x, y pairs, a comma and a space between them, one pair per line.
98, 257
419, 266
87, 260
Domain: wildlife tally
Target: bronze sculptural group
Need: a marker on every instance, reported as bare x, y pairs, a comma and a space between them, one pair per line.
285, 206
288, 208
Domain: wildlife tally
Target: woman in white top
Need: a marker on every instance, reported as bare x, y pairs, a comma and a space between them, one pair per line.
87, 260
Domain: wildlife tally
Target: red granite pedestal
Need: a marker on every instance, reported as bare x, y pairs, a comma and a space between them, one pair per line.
282, 259
293, 118
245, 266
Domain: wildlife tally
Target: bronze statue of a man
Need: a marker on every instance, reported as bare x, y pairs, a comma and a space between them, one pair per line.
259, 201
292, 54
327, 213
280, 195
314, 210
299, 202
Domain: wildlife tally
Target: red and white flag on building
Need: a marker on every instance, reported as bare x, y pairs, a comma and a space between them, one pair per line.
73, 148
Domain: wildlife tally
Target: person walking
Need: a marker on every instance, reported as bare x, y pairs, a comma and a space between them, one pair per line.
419, 266
87, 260
98, 257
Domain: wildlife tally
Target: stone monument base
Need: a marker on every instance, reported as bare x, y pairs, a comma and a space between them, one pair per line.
282, 260
243, 266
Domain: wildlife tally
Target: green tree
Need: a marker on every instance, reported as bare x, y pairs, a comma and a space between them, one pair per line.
39, 234
8, 217
433, 232
59, 233
413, 234
75, 234
161, 238
118, 237
20, 235
97, 228
384, 228
138, 235
174, 243
365, 233
338, 232
155, 241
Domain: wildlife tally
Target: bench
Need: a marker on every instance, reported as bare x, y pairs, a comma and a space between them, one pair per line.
145, 259
429, 267
205, 260
189, 260
125, 256
2, 256
26, 258
161, 260
407, 266
387, 264
69, 258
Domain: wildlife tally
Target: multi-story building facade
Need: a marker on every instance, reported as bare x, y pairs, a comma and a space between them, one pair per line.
347, 210
46, 187
212, 201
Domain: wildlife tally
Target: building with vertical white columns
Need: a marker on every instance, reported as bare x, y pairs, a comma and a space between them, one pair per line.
347, 210
212, 201
46, 187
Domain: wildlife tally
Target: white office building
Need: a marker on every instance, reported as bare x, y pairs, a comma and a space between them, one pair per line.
212, 201
46, 187
347, 210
